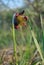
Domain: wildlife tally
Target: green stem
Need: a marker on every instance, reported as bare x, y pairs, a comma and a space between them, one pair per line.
14, 45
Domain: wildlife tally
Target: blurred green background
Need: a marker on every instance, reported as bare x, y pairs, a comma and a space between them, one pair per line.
35, 11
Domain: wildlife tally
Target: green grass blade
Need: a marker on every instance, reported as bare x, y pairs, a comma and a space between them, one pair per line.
42, 32
37, 45
22, 34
